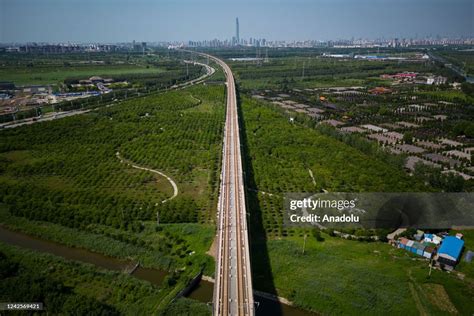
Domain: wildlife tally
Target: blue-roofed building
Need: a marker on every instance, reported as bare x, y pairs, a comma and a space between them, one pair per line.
450, 251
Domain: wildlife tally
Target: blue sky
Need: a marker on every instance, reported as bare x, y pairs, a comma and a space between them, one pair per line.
163, 20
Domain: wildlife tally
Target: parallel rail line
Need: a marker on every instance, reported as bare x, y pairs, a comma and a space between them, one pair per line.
233, 288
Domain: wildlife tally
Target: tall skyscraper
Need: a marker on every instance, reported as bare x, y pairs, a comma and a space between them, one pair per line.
237, 36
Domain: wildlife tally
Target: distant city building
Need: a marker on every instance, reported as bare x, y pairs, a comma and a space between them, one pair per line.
237, 35
52, 48
139, 47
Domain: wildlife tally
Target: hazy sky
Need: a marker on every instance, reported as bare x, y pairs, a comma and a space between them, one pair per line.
163, 20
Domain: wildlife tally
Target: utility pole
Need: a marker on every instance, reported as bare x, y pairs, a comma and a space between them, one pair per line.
304, 243
158, 218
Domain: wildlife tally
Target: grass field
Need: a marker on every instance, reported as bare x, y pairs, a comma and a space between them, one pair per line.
465, 267
55, 74
184, 306
348, 277
158, 68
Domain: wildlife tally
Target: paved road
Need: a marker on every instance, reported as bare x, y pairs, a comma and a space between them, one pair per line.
233, 288
47, 117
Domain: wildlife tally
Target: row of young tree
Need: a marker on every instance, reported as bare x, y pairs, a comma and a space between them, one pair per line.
284, 156
317, 68
67, 172
282, 161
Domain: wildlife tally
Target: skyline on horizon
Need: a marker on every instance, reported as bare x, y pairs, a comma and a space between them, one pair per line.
164, 20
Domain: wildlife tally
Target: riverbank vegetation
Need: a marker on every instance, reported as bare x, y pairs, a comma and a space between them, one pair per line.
72, 286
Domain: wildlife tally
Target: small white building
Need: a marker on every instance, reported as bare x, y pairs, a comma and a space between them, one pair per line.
432, 238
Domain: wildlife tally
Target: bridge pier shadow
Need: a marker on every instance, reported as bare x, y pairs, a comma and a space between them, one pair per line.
262, 276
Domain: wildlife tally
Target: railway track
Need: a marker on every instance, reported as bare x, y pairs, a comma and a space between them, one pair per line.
233, 288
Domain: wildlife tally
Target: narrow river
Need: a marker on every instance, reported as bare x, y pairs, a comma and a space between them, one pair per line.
203, 292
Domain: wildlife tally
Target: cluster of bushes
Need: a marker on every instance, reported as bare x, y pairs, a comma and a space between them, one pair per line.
465, 128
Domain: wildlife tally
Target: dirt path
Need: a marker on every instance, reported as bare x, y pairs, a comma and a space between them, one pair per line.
414, 293
416, 298
213, 250
197, 99
173, 184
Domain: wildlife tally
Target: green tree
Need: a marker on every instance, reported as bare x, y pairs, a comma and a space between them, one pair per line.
408, 137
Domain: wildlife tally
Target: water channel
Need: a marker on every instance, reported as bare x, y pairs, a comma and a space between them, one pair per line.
203, 291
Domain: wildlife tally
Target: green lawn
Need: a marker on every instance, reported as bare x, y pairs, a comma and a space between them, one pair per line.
53, 75
348, 277
465, 267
